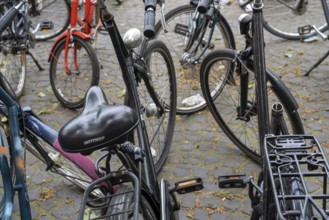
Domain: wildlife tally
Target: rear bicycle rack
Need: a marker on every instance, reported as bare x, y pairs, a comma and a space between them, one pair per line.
299, 175
102, 208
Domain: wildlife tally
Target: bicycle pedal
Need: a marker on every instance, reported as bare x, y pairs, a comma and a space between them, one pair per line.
190, 185
181, 29
303, 30
46, 25
232, 181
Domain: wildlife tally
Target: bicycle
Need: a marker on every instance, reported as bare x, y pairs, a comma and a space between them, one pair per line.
140, 194
300, 13
74, 66
285, 158
190, 35
161, 109
15, 45
44, 28
229, 84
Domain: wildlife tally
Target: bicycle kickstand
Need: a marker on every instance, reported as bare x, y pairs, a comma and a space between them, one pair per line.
316, 64
36, 60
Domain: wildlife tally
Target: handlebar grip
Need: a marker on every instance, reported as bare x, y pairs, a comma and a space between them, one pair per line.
149, 18
203, 6
149, 23
7, 18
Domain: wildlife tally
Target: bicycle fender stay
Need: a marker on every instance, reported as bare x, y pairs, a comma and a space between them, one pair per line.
63, 36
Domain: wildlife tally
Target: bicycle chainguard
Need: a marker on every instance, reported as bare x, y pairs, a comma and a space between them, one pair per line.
187, 186
181, 29
232, 181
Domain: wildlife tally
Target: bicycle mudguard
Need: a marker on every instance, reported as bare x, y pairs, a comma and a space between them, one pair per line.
282, 91
63, 36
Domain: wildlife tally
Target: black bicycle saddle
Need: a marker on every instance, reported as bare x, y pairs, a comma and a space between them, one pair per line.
98, 125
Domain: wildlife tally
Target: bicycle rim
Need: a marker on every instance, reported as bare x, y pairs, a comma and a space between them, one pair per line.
41, 17
221, 87
189, 95
277, 12
70, 88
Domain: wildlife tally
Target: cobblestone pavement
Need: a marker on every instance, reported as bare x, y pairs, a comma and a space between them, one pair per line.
199, 147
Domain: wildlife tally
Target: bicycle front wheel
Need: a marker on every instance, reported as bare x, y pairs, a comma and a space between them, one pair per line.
189, 94
49, 28
159, 85
71, 82
299, 13
221, 87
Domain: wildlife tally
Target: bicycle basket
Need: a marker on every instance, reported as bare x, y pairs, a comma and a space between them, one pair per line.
299, 176
124, 202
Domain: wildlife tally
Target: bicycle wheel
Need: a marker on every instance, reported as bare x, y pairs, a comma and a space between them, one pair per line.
221, 87
70, 87
189, 94
299, 13
50, 28
13, 68
121, 204
161, 77
12, 61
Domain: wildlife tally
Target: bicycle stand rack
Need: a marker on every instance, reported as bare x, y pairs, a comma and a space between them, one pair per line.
299, 175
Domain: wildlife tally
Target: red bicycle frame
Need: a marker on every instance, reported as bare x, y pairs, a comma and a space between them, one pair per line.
78, 27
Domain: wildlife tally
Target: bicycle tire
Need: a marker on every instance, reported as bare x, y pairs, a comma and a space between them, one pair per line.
159, 127
124, 203
243, 132
44, 8
70, 88
12, 61
275, 15
188, 85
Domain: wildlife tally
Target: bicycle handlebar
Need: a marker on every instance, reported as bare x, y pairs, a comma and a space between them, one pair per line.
149, 18
203, 6
8, 17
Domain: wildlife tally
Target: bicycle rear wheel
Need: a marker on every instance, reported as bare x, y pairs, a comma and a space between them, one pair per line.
13, 68
12, 60
50, 28
276, 13
189, 94
126, 202
159, 83
70, 87
221, 87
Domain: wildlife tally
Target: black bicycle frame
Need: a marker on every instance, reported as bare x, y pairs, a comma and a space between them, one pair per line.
126, 64
261, 90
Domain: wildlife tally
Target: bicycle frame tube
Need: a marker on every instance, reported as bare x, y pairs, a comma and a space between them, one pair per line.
43, 131
215, 19
261, 90
126, 65
18, 155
